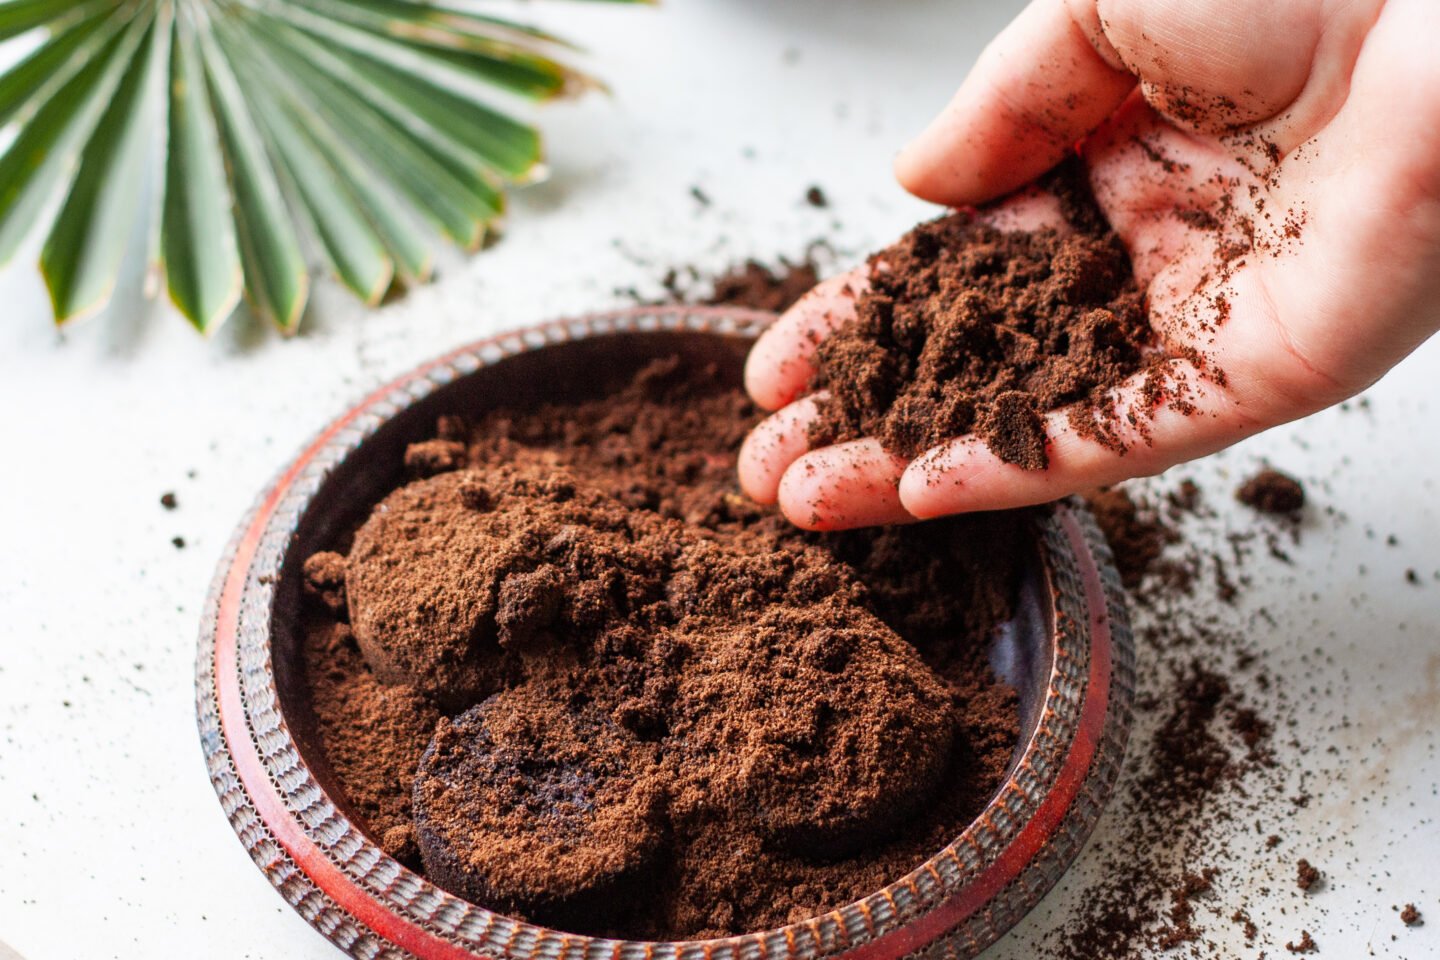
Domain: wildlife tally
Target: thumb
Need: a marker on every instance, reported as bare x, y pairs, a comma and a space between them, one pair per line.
1038, 88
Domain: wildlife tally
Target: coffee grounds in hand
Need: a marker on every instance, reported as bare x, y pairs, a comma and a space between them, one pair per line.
1273, 492
586, 665
966, 328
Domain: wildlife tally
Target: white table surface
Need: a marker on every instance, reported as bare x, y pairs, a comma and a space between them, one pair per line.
111, 840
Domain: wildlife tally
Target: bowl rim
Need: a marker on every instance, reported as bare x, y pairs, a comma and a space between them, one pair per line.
968, 893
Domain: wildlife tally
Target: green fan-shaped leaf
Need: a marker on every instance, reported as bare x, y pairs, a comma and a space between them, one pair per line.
81, 258
22, 16
399, 18
468, 130
373, 122
276, 277
43, 153
407, 246
490, 57
357, 255
459, 202
31, 81
198, 244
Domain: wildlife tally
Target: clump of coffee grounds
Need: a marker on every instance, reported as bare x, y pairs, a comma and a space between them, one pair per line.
1410, 916
569, 671
1306, 874
966, 328
758, 287
751, 284
1272, 492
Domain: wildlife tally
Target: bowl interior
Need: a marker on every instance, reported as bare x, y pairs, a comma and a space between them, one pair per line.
1022, 650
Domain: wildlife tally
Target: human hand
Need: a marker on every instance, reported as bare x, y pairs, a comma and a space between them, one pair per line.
1313, 125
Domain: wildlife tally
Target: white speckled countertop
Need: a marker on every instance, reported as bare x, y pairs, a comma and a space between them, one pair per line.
111, 841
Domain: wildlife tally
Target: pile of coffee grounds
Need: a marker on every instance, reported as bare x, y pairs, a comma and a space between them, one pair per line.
751, 284
1306, 874
1410, 916
966, 328
759, 287
570, 672
1273, 492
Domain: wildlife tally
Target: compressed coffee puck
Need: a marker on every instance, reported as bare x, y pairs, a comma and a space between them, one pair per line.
536, 809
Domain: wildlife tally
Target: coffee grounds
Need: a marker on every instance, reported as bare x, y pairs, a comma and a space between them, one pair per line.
1306, 944
1137, 539
752, 284
758, 287
1273, 492
1203, 756
1410, 916
966, 328
1306, 875
635, 679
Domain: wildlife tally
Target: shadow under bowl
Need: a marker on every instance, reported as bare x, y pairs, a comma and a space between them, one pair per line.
1067, 651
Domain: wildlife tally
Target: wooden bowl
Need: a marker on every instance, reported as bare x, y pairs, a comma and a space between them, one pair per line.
1068, 652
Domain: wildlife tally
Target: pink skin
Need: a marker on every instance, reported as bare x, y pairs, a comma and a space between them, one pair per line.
1347, 95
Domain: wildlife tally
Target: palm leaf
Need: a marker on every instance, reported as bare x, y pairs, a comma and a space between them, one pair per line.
371, 127
81, 259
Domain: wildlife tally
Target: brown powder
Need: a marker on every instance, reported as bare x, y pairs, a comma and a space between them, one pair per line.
759, 287
1410, 916
1201, 760
1306, 943
1306, 875
1271, 491
966, 328
373, 733
1137, 538
624, 676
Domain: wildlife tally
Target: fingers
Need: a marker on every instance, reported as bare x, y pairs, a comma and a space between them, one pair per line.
778, 368
963, 475
1027, 209
1038, 88
772, 446
847, 485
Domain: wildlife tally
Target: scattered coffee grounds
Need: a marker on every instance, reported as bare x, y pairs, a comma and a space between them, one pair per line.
1271, 491
1177, 861
169, 501
1306, 943
1410, 916
178, 543
967, 328
758, 287
816, 197
569, 671
1306, 876
1137, 539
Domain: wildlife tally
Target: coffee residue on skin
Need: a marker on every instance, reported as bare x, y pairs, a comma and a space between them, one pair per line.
571, 672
